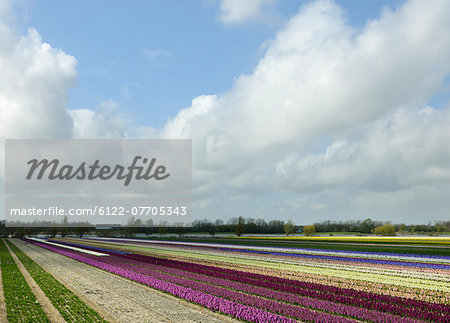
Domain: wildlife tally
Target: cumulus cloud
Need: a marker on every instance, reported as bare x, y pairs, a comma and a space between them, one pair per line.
331, 122
33, 87
329, 106
238, 12
404, 149
4, 9
105, 122
34, 82
34, 79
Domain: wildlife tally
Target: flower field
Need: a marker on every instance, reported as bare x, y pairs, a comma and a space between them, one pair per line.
275, 284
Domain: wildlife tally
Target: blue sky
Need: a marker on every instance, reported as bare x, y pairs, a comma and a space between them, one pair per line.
301, 110
154, 57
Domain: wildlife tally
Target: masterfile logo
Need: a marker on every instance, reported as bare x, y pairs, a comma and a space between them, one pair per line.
68, 172
98, 166
98, 180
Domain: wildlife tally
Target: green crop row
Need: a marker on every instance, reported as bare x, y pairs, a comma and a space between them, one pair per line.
72, 309
21, 304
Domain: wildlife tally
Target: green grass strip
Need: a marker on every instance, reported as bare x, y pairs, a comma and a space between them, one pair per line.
21, 303
72, 309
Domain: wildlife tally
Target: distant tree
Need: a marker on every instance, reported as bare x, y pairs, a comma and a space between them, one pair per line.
81, 231
64, 226
19, 233
132, 226
367, 226
201, 225
212, 230
402, 227
309, 230
240, 226
250, 225
385, 230
148, 232
181, 231
276, 226
162, 231
289, 228
52, 232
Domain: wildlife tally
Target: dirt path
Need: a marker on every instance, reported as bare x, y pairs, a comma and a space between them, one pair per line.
120, 299
51, 312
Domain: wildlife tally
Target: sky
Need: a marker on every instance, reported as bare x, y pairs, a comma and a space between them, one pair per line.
297, 110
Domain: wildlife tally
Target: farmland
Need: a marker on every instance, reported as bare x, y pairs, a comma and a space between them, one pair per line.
254, 281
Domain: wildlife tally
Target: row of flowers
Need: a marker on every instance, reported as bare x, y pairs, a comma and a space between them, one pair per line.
308, 267
186, 279
409, 240
383, 303
245, 293
373, 276
215, 303
441, 274
300, 251
378, 288
302, 273
400, 271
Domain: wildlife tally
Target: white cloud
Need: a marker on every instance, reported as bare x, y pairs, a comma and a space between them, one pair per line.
4, 9
238, 11
34, 80
323, 81
320, 77
401, 150
153, 55
331, 121
34, 83
179, 127
105, 122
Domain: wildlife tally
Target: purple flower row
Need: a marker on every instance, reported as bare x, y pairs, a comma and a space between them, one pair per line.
243, 298
427, 312
385, 303
204, 283
307, 285
237, 310
341, 258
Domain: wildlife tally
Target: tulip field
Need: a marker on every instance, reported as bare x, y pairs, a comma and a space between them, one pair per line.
268, 283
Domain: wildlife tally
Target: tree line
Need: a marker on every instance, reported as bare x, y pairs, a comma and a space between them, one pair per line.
368, 226
237, 225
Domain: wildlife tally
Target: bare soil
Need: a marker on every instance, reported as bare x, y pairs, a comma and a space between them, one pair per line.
115, 298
